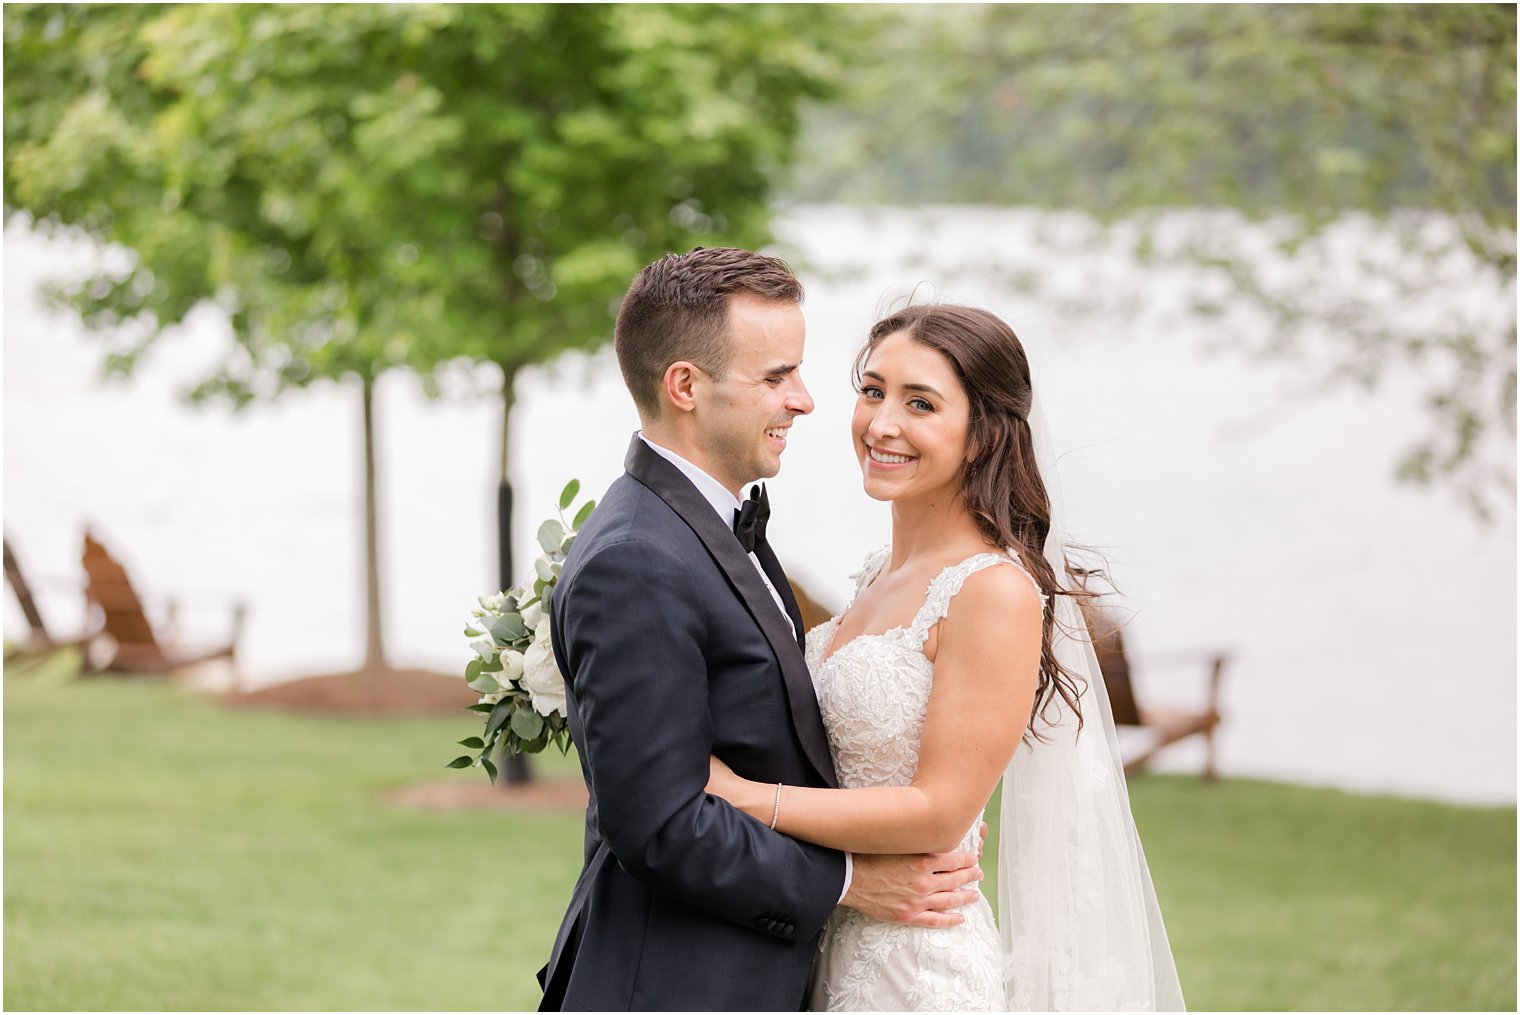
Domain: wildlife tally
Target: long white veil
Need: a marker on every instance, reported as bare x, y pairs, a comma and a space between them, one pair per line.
1078, 915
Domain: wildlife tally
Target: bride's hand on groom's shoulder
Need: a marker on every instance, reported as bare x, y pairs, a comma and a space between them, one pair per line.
922, 890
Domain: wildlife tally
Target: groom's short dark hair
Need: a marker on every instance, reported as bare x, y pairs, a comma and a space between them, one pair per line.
677, 309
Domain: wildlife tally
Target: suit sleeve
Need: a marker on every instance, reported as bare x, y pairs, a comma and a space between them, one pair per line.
631, 647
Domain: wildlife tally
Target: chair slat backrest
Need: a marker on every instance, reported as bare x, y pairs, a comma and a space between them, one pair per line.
108, 587
1108, 643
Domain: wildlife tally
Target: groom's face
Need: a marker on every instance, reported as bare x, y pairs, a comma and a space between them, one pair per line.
744, 419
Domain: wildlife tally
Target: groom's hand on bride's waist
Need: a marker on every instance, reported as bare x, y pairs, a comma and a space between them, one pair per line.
922, 890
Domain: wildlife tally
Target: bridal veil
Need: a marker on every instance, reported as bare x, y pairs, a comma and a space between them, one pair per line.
1081, 927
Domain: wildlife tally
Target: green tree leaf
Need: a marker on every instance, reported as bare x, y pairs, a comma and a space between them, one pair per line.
568, 494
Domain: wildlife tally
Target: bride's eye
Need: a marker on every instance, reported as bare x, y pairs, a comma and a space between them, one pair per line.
870, 391
921, 405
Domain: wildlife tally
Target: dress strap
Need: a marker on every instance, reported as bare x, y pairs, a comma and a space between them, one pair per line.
875, 561
949, 581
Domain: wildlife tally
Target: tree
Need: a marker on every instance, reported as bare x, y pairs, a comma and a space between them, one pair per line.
1299, 116
365, 188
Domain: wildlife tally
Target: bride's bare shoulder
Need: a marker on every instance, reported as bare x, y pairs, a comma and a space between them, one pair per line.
997, 604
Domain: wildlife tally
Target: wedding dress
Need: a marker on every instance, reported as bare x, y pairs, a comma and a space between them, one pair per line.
873, 692
1081, 927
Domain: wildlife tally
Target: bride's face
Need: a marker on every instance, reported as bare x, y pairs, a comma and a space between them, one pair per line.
910, 424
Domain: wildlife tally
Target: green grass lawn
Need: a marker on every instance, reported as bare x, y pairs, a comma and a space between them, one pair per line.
162, 852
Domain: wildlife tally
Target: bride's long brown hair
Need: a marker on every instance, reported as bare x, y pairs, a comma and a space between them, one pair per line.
1000, 481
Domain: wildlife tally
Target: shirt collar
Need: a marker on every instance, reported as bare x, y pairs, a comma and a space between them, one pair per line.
719, 496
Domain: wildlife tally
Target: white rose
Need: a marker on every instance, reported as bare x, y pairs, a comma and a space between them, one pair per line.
493, 697
533, 615
511, 666
540, 675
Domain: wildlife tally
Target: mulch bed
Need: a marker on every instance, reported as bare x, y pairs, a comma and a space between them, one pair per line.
365, 692
473, 791
416, 692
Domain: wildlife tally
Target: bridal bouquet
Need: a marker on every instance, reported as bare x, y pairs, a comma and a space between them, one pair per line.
520, 687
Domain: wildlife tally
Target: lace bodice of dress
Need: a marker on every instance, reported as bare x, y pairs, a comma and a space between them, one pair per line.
874, 690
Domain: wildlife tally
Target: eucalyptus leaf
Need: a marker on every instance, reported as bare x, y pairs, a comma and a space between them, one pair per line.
542, 568
568, 493
480, 706
527, 723
474, 742
472, 668
507, 628
464, 762
470, 632
491, 665
550, 534
490, 768
485, 684
583, 514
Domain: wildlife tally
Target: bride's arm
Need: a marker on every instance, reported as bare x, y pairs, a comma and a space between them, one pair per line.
986, 668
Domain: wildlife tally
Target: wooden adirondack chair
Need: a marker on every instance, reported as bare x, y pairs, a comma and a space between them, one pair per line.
40, 641
1163, 726
137, 648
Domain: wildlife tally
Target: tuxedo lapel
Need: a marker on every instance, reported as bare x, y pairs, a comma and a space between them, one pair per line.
667, 482
783, 586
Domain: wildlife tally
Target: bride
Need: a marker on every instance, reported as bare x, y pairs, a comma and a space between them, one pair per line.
960, 661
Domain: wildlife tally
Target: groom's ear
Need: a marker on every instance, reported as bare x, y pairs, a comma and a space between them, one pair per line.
678, 386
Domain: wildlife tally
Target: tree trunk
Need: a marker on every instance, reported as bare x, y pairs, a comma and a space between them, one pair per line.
514, 768
374, 642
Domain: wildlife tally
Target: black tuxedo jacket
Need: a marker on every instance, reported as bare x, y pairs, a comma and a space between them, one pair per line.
672, 649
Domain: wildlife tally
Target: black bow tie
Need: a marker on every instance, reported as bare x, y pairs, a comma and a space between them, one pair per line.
750, 519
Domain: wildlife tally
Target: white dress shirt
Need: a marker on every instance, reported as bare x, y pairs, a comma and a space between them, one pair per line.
725, 504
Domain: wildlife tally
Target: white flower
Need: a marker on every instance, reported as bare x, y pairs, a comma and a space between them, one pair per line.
540, 675
533, 616
494, 604
493, 697
485, 648
511, 666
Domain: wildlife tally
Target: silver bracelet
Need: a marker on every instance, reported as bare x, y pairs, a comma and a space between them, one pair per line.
777, 812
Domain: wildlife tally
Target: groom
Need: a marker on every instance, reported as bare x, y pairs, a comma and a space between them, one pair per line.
679, 638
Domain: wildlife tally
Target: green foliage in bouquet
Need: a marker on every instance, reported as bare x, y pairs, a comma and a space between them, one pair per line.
522, 692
